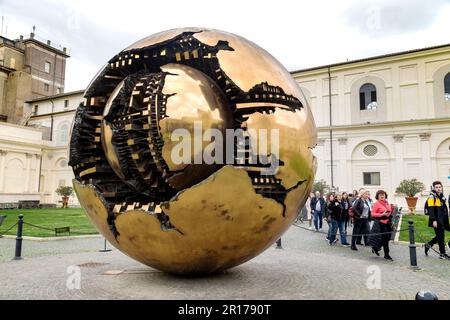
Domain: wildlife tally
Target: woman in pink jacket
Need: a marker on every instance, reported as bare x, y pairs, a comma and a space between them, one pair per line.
381, 211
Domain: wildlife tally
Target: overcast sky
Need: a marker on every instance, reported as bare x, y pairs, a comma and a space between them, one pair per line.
298, 35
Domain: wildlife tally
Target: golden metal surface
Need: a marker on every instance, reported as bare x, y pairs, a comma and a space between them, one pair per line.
196, 99
212, 233
194, 218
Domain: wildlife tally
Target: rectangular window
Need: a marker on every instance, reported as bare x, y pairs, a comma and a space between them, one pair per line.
47, 66
58, 90
35, 109
66, 104
46, 87
371, 178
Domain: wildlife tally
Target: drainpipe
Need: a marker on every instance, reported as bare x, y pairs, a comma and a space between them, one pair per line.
51, 121
40, 171
331, 130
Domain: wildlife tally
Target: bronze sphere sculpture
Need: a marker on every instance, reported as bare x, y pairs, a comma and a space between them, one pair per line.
192, 150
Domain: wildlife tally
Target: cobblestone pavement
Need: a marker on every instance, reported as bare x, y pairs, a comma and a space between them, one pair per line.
307, 268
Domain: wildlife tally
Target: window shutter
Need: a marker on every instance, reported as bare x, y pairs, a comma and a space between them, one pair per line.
373, 96
362, 101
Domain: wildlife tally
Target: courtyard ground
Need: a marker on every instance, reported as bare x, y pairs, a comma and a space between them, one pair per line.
307, 268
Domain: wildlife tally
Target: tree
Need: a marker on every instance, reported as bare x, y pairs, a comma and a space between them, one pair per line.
321, 186
410, 187
64, 191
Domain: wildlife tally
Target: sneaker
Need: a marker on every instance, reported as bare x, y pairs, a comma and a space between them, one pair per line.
354, 248
444, 256
330, 243
427, 248
335, 240
388, 257
310, 228
346, 245
317, 230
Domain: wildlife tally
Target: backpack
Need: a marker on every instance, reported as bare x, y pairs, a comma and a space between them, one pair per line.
425, 208
350, 211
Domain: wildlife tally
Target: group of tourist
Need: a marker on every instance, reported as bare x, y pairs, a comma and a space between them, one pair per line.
372, 220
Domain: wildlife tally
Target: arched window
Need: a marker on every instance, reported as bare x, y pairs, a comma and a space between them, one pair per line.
63, 133
368, 97
447, 87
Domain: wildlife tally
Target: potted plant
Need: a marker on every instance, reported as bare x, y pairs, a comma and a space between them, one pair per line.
65, 192
410, 187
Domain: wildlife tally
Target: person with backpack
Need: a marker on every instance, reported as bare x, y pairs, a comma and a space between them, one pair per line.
361, 214
437, 210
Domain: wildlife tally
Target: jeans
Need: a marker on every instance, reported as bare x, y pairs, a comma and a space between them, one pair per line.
318, 217
332, 230
439, 238
342, 230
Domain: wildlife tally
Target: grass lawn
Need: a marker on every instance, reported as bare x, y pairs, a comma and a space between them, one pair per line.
422, 233
75, 218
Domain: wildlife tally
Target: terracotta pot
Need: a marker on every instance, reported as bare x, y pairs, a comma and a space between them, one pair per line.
411, 202
65, 202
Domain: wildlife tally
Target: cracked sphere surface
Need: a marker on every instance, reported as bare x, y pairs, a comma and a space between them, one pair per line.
193, 88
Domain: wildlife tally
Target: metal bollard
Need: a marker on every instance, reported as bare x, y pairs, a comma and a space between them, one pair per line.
279, 244
412, 247
18, 255
104, 249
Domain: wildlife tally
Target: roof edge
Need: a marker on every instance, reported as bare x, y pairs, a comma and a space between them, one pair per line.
371, 58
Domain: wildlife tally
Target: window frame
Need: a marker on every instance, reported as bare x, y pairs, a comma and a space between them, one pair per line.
49, 64
371, 183
447, 87
367, 96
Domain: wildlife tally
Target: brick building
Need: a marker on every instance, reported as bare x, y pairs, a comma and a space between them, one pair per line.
29, 69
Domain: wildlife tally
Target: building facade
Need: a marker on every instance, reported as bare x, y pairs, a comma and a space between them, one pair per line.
381, 120
29, 69
34, 158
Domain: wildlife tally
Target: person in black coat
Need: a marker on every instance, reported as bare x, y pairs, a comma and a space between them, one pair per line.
336, 217
318, 207
438, 219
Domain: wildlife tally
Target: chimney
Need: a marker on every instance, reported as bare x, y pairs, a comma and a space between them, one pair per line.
21, 38
32, 35
49, 42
